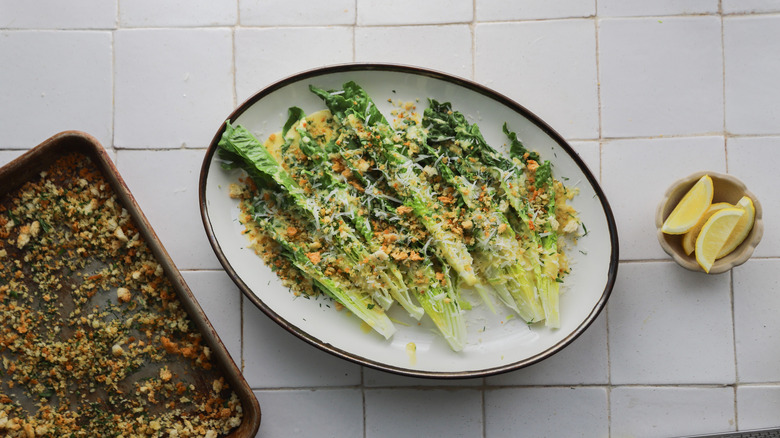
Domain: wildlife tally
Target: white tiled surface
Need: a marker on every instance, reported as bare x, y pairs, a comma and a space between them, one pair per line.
661, 76
647, 92
635, 174
752, 158
758, 405
308, 12
757, 329
448, 47
750, 92
168, 70
670, 326
667, 411
401, 12
499, 10
60, 80
177, 13
506, 52
547, 412
422, 412
635, 8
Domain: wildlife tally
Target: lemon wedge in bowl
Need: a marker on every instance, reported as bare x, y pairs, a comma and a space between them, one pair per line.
743, 239
714, 234
691, 208
689, 238
742, 229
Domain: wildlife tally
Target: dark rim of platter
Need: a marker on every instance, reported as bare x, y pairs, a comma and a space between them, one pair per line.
465, 83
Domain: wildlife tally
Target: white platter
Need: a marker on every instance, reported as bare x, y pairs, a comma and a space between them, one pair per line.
497, 342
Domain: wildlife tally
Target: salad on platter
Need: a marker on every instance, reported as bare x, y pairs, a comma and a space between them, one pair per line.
416, 211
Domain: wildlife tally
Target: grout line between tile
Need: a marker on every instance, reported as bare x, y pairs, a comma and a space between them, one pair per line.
723, 83
751, 14
596, 27
363, 399
601, 141
233, 65
431, 388
305, 388
734, 345
473, 28
596, 24
113, 93
354, 43
354, 59
241, 332
117, 21
117, 24
669, 260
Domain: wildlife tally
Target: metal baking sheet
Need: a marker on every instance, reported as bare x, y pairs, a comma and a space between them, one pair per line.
106, 332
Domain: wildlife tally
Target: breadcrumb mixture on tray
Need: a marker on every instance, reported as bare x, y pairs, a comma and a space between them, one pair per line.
93, 339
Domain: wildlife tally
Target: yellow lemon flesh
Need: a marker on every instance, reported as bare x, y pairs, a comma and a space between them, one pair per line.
690, 208
689, 238
742, 229
714, 235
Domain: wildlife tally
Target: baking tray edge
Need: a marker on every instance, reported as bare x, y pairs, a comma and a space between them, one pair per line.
24, 167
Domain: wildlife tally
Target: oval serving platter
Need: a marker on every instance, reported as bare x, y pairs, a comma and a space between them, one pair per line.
497, 342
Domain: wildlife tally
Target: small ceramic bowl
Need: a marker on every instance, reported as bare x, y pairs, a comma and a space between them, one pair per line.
726, 188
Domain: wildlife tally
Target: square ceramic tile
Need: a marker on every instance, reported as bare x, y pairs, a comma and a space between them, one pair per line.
55, 14
311, 413
583, 362
275, 358
167, 94
547, 412
376, 378
498, 10
54, 81
753, 160
462, 409
220, 300
165, 185
590, 152
661, 76
547, 66
671, 411
263, 55
151, 13
756, 326
752, 74
637, 173
749, 6
299, 13
448, 48
374, 12
612, 8
757, 406
668, 325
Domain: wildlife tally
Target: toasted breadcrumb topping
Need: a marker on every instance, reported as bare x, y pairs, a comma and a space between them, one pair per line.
93, 339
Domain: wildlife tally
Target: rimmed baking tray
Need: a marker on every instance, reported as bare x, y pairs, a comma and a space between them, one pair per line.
29, 167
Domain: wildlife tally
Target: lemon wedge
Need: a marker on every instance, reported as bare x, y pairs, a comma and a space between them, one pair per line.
742, 229
714, 235
689, 238
690, 208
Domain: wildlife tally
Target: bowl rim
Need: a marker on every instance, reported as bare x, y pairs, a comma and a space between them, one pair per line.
740, 255
462, 82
